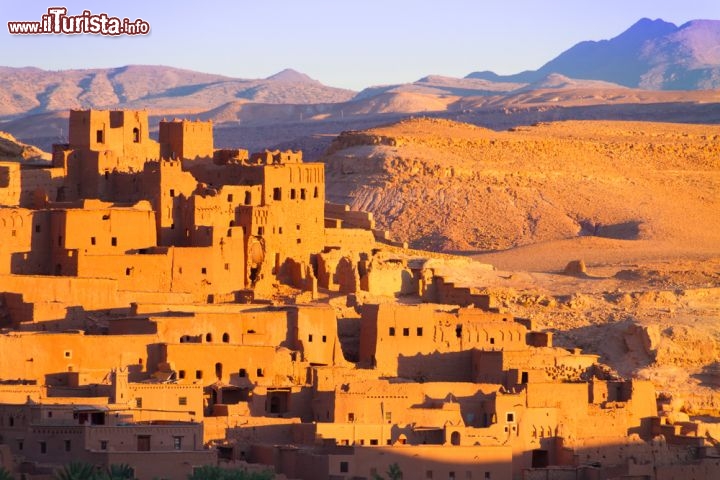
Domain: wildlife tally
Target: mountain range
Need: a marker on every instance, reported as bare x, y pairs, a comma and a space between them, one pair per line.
652, 54
653, 70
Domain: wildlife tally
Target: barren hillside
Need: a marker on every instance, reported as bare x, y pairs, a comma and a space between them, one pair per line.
454, 187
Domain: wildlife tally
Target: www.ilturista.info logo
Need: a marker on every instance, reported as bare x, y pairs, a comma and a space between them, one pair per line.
57, 21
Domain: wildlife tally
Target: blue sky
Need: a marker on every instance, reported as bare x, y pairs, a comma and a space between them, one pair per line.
350, 44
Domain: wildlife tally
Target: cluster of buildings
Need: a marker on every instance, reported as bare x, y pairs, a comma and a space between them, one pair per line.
143, 325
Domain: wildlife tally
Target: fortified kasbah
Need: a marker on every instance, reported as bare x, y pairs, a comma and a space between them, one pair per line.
168, 305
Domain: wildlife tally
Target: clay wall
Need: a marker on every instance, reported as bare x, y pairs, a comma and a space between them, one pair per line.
123, 132
428, 335
315, 331
24, 241
53, 443
27, 186
99, 228
169, 187
349, 218
157, 464
40, 356
387, 276
511, 367
185, 139
252, 327
164, 401
447, 293
206, 364
150, 273
372, 401
208, 270
418, 461
16, 394
295, 195
349, 239
39, 298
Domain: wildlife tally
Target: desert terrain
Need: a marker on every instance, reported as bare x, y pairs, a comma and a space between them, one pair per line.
636, 202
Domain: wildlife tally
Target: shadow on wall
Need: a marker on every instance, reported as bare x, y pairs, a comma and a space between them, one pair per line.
551, 459
436, 367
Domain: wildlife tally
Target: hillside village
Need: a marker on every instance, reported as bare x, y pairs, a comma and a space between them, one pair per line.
169, 305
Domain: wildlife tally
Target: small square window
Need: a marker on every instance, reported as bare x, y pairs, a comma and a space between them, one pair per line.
391, 332
351, 417
324, 338
310, 337
510, 417
406, 332
103, 444
172, 192
419, 331
37, 228
181, 374
92, 240
67, 353
138, 402
68, 445
292, 194
260, 372
113, 241
242, 373
428, 474
182, 400
230, 197
43, 447
203, 270
177, 443
198, 374
344, 467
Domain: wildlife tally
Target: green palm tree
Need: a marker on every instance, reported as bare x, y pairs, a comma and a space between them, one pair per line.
211, 472
394, 472
122, 471
5, 474
76, 471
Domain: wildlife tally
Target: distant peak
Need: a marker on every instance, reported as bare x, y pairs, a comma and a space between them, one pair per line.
649, 28
290, 75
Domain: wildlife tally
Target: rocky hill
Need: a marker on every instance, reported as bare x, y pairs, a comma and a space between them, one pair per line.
12, 150
32, 90
651, 54
449, 186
